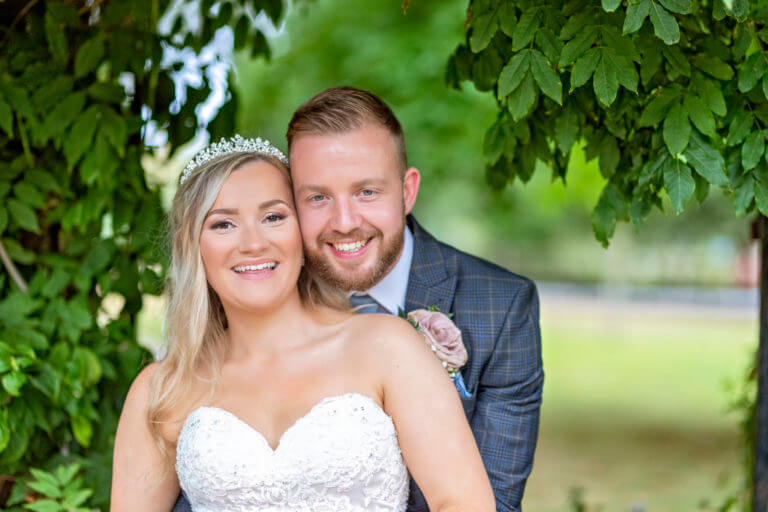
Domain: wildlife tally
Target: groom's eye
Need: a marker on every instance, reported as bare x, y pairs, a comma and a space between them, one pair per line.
317, 198
367, 192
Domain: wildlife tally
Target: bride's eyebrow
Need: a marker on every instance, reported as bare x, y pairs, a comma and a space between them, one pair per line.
222, 211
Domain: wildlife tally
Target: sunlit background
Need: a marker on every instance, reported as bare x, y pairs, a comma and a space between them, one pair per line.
646, 345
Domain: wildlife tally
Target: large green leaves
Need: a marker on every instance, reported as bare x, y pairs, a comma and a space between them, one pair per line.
678, 183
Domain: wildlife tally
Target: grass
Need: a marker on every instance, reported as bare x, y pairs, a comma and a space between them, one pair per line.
635, 406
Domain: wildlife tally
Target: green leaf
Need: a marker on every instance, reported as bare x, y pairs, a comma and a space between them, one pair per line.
549, 43
609, 156
6, 118
493, 142
45, 483
578, 45
743, 195
484, 27
761, 196
610, 5
702, 187
3, 219
507, 18
603, 221
64, 114
57, 41
566, 129
5, 431
677, 59
752, 150
77, 498
713, 66
80, 137
664, 24
23, 215
242, 28
699, 114
706, 160
740, 127
29, 194
713, 96
99, 163
114, 130
13, 381
56, 283
82, 430
44, 506
526, 28
751, 71
65, 474
584, 67
545, 76
605, 82
678, 6
625, 69
89, 56
513, 73
678, 183
521, 100
636, 14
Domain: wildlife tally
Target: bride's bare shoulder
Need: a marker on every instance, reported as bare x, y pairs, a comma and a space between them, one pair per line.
379, 334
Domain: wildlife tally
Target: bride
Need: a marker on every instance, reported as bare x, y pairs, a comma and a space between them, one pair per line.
273, 396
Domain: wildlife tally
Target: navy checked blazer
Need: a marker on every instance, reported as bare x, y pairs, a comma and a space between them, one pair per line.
498, 314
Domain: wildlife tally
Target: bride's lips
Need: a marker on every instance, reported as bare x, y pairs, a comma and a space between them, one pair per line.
255, 270
346, 255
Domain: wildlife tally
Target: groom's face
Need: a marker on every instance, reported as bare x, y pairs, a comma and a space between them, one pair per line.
352, 198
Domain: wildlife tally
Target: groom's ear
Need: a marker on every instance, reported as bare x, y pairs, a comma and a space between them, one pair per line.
411, 181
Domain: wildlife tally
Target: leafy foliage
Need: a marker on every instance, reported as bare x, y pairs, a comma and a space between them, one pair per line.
670, 95
79, 225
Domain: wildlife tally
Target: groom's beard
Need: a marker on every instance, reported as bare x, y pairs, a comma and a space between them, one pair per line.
354, 279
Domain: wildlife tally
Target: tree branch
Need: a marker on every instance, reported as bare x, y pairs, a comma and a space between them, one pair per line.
12, 270
23, 12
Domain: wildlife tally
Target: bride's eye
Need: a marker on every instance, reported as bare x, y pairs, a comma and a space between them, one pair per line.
271, 218
222, 225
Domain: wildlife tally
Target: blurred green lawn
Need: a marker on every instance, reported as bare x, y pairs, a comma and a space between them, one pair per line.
635, 406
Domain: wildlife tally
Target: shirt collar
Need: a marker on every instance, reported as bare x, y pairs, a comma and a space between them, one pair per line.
390, 291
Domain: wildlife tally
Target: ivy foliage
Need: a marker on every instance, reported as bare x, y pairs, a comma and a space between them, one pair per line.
671, 97
80, 227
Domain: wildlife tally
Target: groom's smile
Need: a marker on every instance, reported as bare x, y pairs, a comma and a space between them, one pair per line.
352, 196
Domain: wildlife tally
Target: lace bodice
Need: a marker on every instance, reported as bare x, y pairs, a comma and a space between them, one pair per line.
342, 456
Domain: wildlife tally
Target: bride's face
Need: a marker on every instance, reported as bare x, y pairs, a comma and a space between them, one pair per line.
251, 243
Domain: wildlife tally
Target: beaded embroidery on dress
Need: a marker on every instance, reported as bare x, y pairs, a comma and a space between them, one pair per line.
342, 456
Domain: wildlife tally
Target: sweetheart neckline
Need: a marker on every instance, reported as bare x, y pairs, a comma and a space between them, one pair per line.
292, 425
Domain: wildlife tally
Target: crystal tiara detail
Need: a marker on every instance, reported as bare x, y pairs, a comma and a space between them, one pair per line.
236, 144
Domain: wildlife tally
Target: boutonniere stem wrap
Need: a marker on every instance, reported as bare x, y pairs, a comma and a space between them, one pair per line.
444, 338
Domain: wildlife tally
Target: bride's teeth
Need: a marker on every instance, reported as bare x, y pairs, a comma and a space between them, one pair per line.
350, 247
251, 268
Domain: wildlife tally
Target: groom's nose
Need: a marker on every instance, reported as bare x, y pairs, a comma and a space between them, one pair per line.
345, 217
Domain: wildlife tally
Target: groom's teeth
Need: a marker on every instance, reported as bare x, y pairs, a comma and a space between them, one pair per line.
252, 268
350, 247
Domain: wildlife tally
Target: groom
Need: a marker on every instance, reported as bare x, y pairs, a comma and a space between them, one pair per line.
354, 192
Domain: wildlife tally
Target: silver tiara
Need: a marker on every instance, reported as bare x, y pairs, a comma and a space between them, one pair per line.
236, 144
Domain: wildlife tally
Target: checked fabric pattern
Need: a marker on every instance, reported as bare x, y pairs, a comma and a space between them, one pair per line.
498, 314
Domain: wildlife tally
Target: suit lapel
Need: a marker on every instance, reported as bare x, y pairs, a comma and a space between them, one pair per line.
432, 278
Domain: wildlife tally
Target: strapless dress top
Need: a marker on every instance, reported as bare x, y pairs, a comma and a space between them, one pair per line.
341, 456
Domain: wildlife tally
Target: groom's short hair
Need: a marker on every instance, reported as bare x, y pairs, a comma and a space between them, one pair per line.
341, 109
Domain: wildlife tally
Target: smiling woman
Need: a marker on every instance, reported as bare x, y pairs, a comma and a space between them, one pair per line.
272, 394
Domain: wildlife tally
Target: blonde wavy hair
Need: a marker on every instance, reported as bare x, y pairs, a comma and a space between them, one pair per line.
195, 323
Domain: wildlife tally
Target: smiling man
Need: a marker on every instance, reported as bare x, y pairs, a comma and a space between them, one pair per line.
354, 194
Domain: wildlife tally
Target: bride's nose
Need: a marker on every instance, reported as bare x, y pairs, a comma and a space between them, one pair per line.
252, 240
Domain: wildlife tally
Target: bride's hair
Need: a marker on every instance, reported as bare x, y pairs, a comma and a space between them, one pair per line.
195, 322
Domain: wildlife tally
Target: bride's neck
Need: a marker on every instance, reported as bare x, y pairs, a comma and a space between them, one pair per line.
268, 331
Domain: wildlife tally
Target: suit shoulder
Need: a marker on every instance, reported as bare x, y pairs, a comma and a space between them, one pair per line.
474, 267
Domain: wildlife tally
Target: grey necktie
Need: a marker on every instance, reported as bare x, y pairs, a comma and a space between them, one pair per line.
368, 303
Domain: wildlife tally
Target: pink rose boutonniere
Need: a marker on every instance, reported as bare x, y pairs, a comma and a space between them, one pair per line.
444, 338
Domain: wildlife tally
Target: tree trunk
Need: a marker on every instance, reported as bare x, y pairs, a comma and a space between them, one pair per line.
761, 412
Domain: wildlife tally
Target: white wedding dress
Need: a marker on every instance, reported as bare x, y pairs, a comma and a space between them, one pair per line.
342, 456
